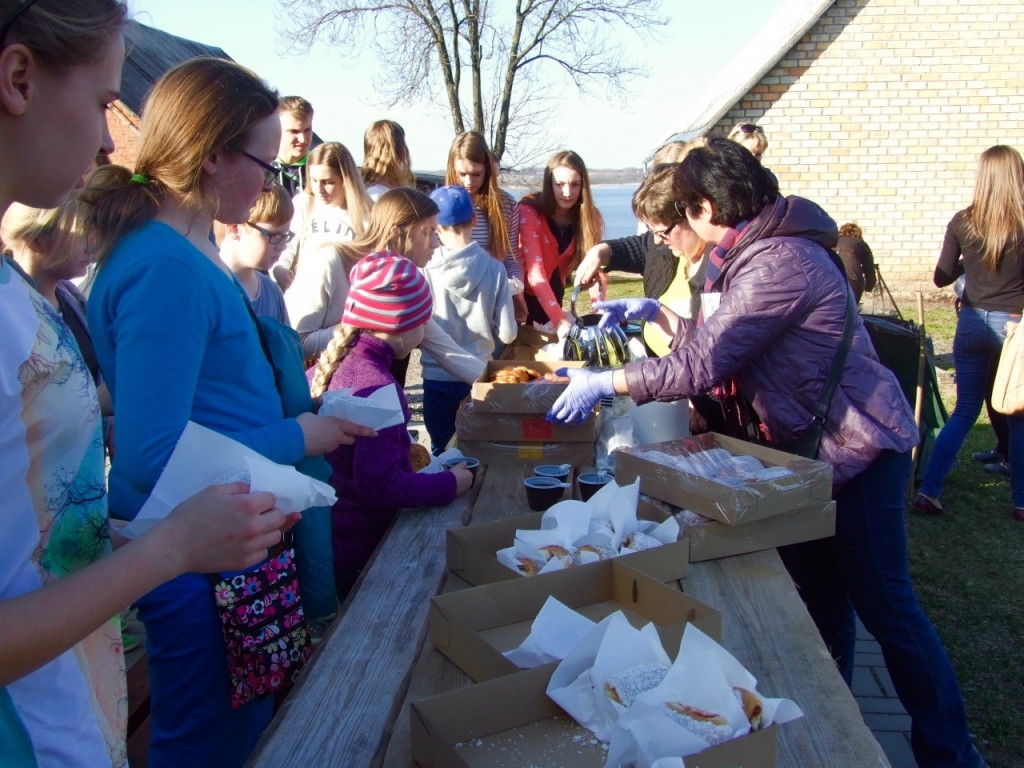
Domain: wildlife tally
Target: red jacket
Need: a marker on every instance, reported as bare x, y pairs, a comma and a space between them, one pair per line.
539, 252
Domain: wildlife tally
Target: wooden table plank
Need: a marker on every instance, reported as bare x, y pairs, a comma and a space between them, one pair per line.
347, 698
768, 629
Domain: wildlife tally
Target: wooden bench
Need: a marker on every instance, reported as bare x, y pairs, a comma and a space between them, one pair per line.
350, 707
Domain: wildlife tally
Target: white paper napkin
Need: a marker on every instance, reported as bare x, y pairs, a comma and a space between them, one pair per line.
203, 457
378, 410
555, 631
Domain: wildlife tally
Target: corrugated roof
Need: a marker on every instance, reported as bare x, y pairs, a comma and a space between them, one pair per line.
150, 53
782, 31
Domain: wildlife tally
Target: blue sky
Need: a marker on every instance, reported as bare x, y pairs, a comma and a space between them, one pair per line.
699, 41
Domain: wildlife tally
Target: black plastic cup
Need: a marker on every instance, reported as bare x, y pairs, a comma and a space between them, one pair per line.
542, 493
592, 482
471, 464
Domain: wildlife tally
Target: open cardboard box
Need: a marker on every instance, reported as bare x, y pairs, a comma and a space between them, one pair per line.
510, 722
470, 424
474, 627
528, 344
535, 397
712, 540
578, 455
472, 553
810, 482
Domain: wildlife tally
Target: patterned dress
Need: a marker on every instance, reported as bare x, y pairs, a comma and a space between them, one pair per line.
61, 433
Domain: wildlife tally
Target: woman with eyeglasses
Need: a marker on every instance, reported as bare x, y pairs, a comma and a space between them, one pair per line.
752, 137
669, 254
769, 344
250, 249
178, 343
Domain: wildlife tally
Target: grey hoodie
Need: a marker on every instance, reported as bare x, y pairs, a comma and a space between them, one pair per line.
472, 303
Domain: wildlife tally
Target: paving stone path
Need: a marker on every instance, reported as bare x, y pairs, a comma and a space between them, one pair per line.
876, 696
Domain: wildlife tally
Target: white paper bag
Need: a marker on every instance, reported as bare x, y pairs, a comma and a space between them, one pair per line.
378, 410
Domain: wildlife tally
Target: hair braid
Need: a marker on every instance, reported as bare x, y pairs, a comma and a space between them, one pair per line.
344, 337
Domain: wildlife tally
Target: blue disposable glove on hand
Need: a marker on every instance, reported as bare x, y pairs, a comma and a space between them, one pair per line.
619, 311
584, 390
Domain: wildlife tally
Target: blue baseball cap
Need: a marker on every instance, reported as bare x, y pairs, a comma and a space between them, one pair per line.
455, 204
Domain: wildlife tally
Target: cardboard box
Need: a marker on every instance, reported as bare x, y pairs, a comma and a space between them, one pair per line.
528, 344
510, 722
516, 427
535, 397
472, 553
712, 540
579, 455
473, 627
810, 482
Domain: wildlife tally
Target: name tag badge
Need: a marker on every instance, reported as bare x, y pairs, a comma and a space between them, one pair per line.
709, 303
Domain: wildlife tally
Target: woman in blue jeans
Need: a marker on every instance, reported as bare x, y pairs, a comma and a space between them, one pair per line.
780, 317
986, 243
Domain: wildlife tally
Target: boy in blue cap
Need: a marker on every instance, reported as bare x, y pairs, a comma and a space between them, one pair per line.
472, 303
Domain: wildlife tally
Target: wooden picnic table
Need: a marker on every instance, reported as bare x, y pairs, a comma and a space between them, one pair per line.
351, 706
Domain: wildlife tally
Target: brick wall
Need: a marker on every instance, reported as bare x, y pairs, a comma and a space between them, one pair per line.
879, 114
124, 130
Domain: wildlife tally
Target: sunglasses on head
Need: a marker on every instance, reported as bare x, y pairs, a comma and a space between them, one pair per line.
751, 128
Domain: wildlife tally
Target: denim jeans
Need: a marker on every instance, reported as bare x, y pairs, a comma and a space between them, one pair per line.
441, 401
864, 568
976, 348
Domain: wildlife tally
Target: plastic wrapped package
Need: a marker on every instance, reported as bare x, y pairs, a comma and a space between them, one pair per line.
579, 455
617, 431
711, 540
725, 479
471, 424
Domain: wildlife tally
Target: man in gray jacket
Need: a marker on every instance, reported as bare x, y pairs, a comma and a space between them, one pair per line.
472, 303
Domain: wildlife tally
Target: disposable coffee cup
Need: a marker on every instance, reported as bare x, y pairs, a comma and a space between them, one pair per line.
471, 464
544, 492
592, 482
559, 471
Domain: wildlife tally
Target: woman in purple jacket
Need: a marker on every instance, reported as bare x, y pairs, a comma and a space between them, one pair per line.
778, 322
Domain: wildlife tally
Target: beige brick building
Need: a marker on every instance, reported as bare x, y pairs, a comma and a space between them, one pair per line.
878, 110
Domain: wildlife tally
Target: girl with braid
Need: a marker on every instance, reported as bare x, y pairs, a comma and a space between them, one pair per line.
387, 309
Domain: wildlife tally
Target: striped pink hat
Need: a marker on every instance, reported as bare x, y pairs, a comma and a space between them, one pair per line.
388, 294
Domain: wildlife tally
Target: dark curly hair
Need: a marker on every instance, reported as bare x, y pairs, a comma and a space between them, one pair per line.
730, 178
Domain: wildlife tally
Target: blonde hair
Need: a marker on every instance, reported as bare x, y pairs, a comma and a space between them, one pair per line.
655, 199
273, 207
344, 338
587, 223
336, 157
851, 229
995, 218
391, 222
56, 230
296, 106
472, 146
675, 151
744, 132
200, 107
66, 34
386, 157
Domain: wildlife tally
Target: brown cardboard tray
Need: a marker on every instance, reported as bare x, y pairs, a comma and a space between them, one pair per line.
578, 455
473, 425
509, 722
472, 553
810, 482
535, 397
473, 627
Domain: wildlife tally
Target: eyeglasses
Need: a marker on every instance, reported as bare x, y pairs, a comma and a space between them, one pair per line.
269, 171
663, 234
680, 209
274, 237
25, 5
751, 128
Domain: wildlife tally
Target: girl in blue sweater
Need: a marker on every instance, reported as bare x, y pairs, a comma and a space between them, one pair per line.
176, 342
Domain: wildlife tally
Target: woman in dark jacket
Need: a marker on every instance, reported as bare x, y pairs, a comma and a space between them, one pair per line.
781, 305
671, 257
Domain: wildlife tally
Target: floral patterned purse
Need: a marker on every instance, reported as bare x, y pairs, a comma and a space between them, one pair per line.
265, 631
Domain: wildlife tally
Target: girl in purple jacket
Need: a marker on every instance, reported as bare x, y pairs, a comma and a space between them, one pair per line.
387, 307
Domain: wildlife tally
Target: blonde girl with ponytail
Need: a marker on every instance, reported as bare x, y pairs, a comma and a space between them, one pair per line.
404, 221
386, 160
333, 208
177, 343
386, 311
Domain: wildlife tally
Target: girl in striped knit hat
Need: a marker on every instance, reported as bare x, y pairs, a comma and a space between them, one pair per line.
385, 312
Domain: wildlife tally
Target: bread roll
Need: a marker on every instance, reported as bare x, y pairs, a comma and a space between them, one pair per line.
624, 687
419, 457
751, 706
714, 729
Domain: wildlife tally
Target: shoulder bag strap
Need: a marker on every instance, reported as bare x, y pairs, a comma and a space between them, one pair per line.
259, 332
836, 372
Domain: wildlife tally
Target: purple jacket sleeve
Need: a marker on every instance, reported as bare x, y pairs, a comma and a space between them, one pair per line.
760, 304
383, 477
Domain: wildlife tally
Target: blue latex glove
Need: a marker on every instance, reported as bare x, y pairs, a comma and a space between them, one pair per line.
621, 310
584, 390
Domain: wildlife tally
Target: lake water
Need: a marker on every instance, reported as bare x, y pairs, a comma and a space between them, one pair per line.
615, 203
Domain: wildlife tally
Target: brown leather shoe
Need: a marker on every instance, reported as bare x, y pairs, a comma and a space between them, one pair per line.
1018, 514
926, 506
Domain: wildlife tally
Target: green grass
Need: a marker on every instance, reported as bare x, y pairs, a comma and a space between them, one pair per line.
968, 570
